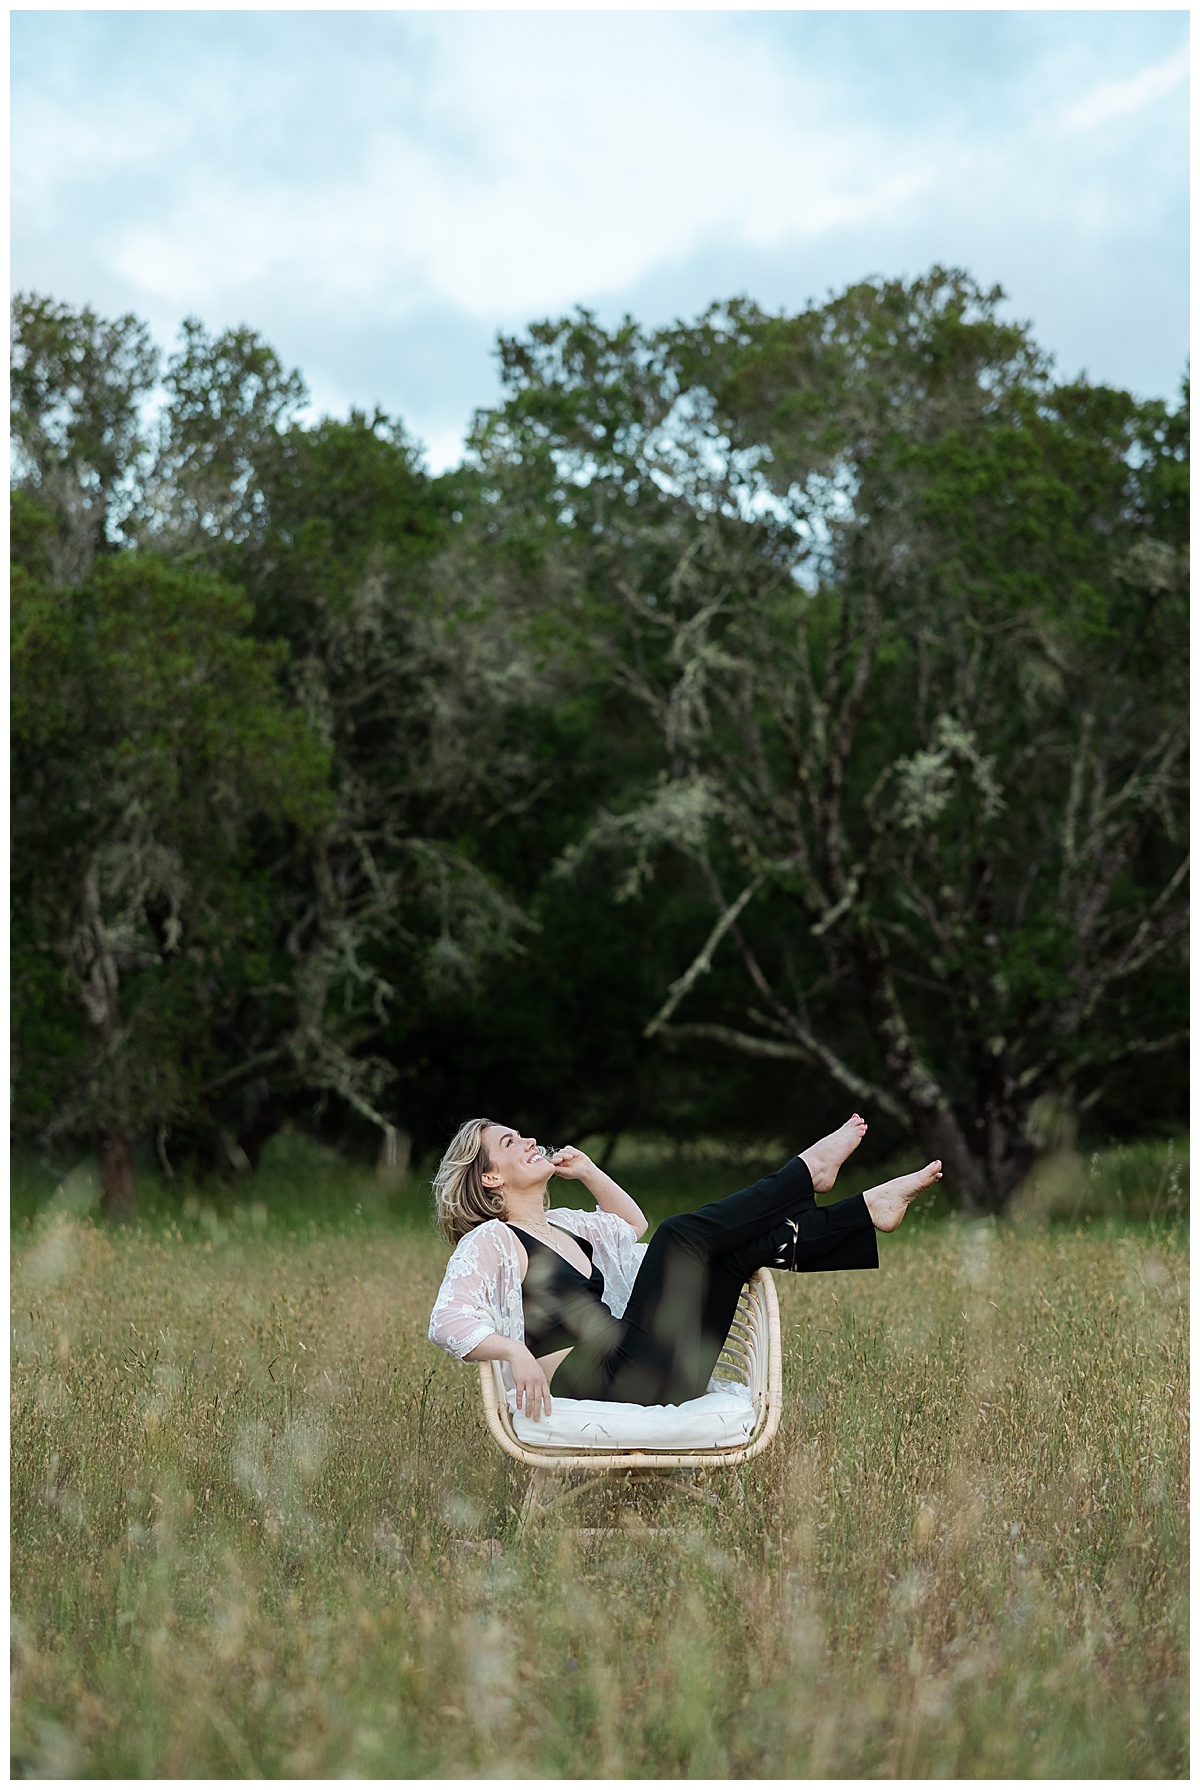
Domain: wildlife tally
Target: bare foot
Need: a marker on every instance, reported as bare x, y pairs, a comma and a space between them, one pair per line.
826, 1156
888, 1202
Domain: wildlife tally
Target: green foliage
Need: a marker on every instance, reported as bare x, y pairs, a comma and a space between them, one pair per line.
228, 398
77, 394
890, 602
150, 745
31, 527
76, 385
773, 711
147, 678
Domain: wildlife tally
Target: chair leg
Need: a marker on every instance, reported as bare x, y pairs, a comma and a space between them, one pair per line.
533, 1502
701, 1494
664, 1482
546, 1490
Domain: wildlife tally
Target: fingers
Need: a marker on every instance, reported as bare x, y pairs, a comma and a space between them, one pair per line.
533, 1396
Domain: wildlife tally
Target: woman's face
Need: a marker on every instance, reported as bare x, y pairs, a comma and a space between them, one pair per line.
515, 1160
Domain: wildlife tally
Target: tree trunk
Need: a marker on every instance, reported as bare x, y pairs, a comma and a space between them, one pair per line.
984, 1180
610, 1149
911, 1079
99, 982
395, 1154
118, 1191
266, 1117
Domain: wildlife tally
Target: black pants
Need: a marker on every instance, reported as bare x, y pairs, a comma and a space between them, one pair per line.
664, 1349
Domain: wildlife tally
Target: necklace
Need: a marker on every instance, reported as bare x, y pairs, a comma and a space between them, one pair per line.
544, 1232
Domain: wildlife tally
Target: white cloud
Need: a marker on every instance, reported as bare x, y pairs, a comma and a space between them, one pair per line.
580, 168
380, 192
1115, 99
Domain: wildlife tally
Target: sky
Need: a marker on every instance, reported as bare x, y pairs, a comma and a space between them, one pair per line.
380, 193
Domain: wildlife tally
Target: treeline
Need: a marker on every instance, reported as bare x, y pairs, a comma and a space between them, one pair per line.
773, 714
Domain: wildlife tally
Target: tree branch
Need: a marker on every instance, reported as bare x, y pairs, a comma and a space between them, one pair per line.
810, 1051
703, 962
1140, 1047
246, 1071
829, 825
1110, 854
1155, 933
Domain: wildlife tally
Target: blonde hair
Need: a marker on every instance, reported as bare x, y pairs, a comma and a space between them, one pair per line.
460, 1199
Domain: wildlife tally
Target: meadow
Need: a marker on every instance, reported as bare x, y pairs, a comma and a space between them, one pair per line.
259, 1529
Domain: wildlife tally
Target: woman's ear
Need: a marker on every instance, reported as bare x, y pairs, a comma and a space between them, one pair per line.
490, 1178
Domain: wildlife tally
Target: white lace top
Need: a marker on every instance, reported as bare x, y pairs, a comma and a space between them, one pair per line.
480, 1294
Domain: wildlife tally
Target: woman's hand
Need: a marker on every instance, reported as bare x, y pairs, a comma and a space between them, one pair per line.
533, 1388
529, 1376
572, 1164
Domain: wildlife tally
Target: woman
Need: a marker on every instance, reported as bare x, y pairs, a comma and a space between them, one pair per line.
572, 1300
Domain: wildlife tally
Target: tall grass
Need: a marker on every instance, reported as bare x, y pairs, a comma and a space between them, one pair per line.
259, 1528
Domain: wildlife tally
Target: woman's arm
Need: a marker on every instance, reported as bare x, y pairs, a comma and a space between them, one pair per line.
573, 1165
480, 1292
529, 1377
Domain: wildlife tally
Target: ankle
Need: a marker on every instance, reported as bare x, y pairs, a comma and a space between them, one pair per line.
820, 1172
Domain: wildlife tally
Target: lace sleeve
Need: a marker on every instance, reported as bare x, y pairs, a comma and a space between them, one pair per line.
617, 1250
480, 1294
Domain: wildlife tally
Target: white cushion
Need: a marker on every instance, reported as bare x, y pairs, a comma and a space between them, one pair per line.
722, 1418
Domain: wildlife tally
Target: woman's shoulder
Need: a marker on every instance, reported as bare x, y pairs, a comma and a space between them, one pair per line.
489, 1239
490, 1227
595, 1225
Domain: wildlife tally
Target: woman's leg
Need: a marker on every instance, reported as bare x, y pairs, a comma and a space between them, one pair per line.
688, 1286
686, 1293
819, 1240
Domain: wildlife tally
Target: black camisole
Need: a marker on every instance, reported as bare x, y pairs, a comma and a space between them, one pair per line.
559, 1304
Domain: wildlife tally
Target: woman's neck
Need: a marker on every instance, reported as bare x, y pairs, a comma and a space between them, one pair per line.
527, 1209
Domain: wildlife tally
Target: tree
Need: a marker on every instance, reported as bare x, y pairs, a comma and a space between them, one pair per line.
406, 661
150, 744
228, 399
850, 636
904, 619
375, 903
78, 394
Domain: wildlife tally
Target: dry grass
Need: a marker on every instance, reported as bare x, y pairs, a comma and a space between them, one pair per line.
240, 1472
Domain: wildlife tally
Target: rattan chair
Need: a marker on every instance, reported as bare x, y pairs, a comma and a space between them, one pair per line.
752, 1354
